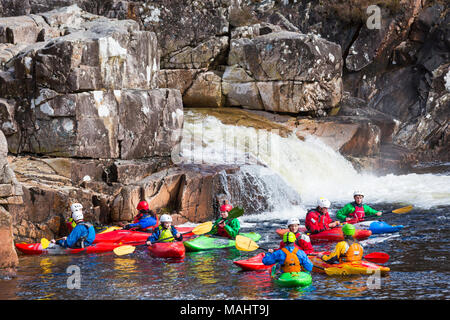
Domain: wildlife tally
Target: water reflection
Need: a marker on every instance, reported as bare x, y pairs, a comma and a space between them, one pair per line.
202, 267
349, 286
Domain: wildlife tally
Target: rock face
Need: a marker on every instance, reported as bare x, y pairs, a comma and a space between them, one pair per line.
10, 194
89, 93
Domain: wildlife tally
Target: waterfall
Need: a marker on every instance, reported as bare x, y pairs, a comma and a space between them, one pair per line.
289, 169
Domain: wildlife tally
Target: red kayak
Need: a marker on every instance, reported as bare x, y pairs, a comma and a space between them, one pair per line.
173, 249
133, 237
332, 235
255, 263
54, 249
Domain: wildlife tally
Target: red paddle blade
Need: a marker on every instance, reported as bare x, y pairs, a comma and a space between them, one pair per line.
377, 257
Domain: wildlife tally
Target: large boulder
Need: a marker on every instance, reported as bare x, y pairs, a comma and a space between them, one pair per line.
282, 71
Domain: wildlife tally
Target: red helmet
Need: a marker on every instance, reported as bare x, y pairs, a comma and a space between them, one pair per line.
226, 207
143, 205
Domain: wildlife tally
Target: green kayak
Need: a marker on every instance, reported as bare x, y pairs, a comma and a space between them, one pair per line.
291, 279
208, 242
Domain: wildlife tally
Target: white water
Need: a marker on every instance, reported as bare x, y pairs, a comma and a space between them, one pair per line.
310, 167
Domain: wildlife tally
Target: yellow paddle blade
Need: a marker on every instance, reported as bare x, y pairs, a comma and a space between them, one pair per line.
245, 244
122, 250
44, 243
109, 229
403, 210
203, 228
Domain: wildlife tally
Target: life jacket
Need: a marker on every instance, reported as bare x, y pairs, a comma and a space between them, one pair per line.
71, 224
354, 252
222, 232
165, 233
316, 222
358, 213
291, 263
80, 242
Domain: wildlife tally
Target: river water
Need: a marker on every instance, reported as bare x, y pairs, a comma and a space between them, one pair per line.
419, 254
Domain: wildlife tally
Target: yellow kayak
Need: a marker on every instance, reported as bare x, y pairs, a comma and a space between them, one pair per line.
347, 268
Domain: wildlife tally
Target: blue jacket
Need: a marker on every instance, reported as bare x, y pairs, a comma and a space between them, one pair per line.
279, 257
157, 232
145, 222
77, 233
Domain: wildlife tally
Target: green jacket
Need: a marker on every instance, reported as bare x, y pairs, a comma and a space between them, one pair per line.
350, 208
231, 227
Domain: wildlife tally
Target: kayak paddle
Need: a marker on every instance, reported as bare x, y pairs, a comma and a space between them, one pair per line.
377, 257
44, 243
200, 229
246, 244
235, 213
403, 209
397, 211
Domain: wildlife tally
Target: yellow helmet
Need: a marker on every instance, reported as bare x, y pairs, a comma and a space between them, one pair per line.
289, 237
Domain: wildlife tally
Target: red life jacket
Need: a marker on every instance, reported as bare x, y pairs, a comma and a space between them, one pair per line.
316, 222
358, 214
222, 232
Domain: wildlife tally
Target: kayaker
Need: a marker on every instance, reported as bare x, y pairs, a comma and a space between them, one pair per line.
83, 235
318, 220
71, 224
225, 227
165, 231
303, 241
145, 220
347, 250
356, 211
289, 258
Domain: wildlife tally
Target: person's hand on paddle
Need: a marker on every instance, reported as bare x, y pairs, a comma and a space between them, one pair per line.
270, 250
149, 243
334, 224
379, 213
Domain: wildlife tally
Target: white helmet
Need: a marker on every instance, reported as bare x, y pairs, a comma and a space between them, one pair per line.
165, 218
358, 193
293, 221
323, 203
77, 215
76, 207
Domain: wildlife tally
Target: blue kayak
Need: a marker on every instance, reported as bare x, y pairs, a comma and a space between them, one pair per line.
378, 227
